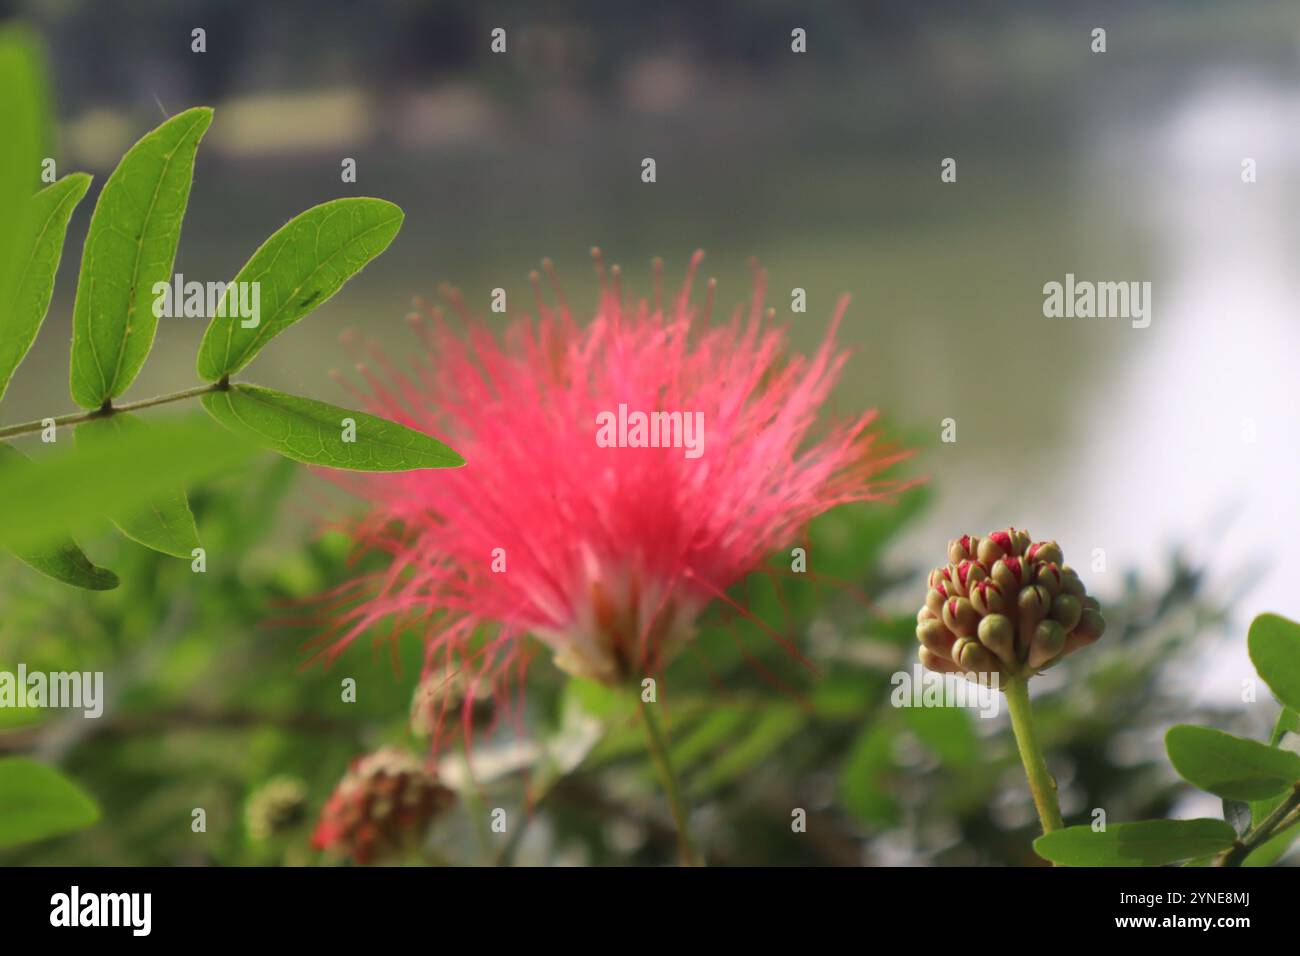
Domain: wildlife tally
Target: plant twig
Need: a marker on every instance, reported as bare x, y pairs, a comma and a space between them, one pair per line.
1286, 814
25, 428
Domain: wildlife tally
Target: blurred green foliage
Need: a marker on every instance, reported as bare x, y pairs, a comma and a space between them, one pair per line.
209, 702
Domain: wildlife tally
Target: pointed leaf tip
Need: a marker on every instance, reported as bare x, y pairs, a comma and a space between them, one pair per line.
317, 433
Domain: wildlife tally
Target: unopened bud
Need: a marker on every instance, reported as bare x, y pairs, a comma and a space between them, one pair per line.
999, 636
960, 617
1047, 643
1091, 625
1066, 611
972, 657
1010, 541
990, 550
986, 597
1070, 582
1048, 551
936, 637
1049, 576
1011, 574
932, 661
1003, 540
1032, 606
962, 549
968, 573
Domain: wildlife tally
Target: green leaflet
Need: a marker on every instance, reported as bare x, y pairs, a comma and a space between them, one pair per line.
1231, 767
1275, 651
43, 501
300, 266
38, 251
37, 801
24, 125
61, 559
67, 563
1288, 722
316, 433
1279, 843
1149, 843
165, 523
131, 246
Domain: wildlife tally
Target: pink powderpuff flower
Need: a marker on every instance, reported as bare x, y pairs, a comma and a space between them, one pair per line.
606, 555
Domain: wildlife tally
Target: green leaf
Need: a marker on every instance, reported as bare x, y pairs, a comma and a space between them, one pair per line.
300, 266
1228, 766
67, 563
62, 560
166, 523
1275, 651
24, 120
1149, 843
313, 432
40, 247
37, 801
1274, 848
43, 501
1288, 722
131, 246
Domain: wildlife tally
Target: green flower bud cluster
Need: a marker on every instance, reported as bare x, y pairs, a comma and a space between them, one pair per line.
1006, 605
278, 805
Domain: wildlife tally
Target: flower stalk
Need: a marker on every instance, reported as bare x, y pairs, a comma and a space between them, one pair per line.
657, 744
1004, 608
1041, 784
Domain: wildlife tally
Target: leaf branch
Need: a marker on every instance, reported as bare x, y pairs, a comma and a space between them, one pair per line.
108, 408
1286, 815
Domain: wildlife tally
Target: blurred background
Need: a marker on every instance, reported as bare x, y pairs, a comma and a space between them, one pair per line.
1169, 451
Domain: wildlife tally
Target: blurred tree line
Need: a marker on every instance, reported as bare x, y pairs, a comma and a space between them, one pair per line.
110, 52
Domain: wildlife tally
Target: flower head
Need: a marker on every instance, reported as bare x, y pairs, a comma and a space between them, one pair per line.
1004, 604
622, 473
276, 806
381, 807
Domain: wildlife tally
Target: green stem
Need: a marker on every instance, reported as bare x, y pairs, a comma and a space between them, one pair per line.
658, 746
1041, 783
109, 409
1284, 816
